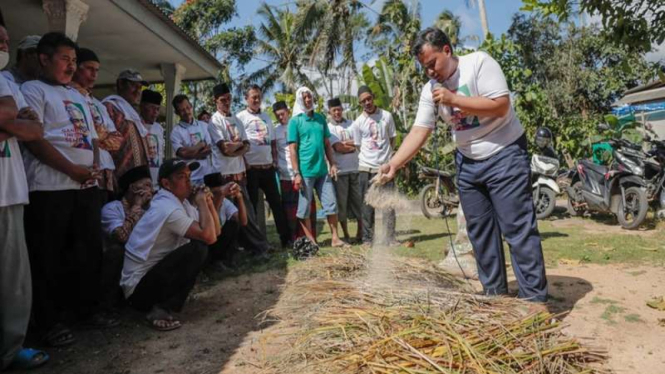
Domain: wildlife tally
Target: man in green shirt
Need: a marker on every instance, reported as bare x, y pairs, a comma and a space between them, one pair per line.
308, 138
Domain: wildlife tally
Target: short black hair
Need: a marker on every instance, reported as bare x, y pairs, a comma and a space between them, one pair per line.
177, 100
204, 112
432, 36
51, 41
252, 87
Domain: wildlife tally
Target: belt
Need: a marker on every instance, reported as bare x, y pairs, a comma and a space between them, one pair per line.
368, 170
261, 167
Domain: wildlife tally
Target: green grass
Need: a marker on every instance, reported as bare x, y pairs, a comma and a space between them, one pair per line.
598, 300
635, 318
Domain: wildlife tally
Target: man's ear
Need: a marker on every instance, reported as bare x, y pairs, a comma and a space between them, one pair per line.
43, 59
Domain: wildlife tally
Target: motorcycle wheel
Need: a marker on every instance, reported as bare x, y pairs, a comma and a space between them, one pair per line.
569, 207
430, 204
545, 202
632, 215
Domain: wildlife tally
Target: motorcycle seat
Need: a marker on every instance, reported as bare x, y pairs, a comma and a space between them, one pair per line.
432, 171
600, 169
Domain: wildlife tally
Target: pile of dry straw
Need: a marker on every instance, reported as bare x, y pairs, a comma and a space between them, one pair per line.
422, 322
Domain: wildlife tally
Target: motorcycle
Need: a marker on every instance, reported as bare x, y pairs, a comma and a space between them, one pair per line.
619, 189
654, 175
439, 198
544, 171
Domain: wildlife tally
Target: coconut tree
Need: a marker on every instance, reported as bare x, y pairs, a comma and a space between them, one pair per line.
450, 24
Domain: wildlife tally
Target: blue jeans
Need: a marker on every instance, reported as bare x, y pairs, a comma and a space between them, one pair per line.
496, 198
324, 189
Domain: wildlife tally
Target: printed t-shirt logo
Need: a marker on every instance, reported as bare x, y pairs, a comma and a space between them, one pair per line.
79, 135
233, 131
5, 151
261, 132
195, 137
374, 134
153, 150
460, 120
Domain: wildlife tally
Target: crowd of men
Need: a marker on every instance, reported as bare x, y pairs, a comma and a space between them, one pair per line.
94, 213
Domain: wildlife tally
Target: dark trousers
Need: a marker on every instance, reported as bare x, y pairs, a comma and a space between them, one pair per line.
64, 238
368, 211
226, 246
251, 237
266, 180
496, 198
168, 283
112, 261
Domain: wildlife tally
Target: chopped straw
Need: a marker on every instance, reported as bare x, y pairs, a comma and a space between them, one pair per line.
425, 322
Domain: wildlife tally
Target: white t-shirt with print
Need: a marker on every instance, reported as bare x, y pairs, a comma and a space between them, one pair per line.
101, 117
13, 182
259, 130
156, 146
284, 153
170, 236
68, 126
188, 135
226, 211
342, 132
375, 132
478, 138
113, 216
228, 129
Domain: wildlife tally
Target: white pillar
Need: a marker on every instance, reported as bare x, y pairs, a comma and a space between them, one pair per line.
172, 73
65, 16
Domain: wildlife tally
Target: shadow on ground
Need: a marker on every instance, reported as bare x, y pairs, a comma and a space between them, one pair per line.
564, 293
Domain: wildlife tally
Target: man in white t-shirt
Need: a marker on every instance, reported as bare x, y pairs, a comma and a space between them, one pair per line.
118, 220
15, 286
169, 246
63, 220
262, 159
231, 145
345, 141
191, 140
228, 202
151, 102
377, 133
290, 195
109, 138
133, 150
470, 94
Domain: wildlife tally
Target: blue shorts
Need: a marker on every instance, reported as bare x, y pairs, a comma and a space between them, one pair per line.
324, 189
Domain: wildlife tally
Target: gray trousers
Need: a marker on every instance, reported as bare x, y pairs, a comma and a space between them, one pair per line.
389, 217
347, 191
15, 283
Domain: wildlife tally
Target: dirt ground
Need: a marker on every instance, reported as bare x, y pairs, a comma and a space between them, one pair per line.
603, 306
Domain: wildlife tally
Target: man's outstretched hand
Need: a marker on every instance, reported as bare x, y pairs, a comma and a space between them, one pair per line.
387, 172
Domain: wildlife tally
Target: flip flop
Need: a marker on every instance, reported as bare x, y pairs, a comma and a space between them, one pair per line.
59, 336
156, 318
28, 358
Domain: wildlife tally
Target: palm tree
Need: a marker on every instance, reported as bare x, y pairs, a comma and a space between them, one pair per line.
450, 24
396, 27
483, 15
281, 45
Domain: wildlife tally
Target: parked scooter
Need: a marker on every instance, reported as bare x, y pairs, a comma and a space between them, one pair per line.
654, 175
544, 171
619, 189
439, 198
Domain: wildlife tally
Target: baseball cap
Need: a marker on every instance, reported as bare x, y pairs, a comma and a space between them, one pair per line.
30, 41
174, 165
133, 76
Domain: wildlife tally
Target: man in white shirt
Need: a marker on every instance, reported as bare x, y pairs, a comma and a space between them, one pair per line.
228, 202
109, 138
345, 141
169, 246
17, 123
63, 220
470, 94
191, 140
377, 133
27, 66
290, 195
133, 150
231, 144
151, 102
262, 159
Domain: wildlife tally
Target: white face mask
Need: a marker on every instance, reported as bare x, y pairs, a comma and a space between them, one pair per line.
4, 59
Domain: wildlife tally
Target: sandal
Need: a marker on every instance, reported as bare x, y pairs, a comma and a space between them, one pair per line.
28, 358
161, 320
59, 336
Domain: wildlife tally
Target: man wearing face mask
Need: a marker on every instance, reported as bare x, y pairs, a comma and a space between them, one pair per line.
63, 220
470, 94
27, 63
15, 279
133, 150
